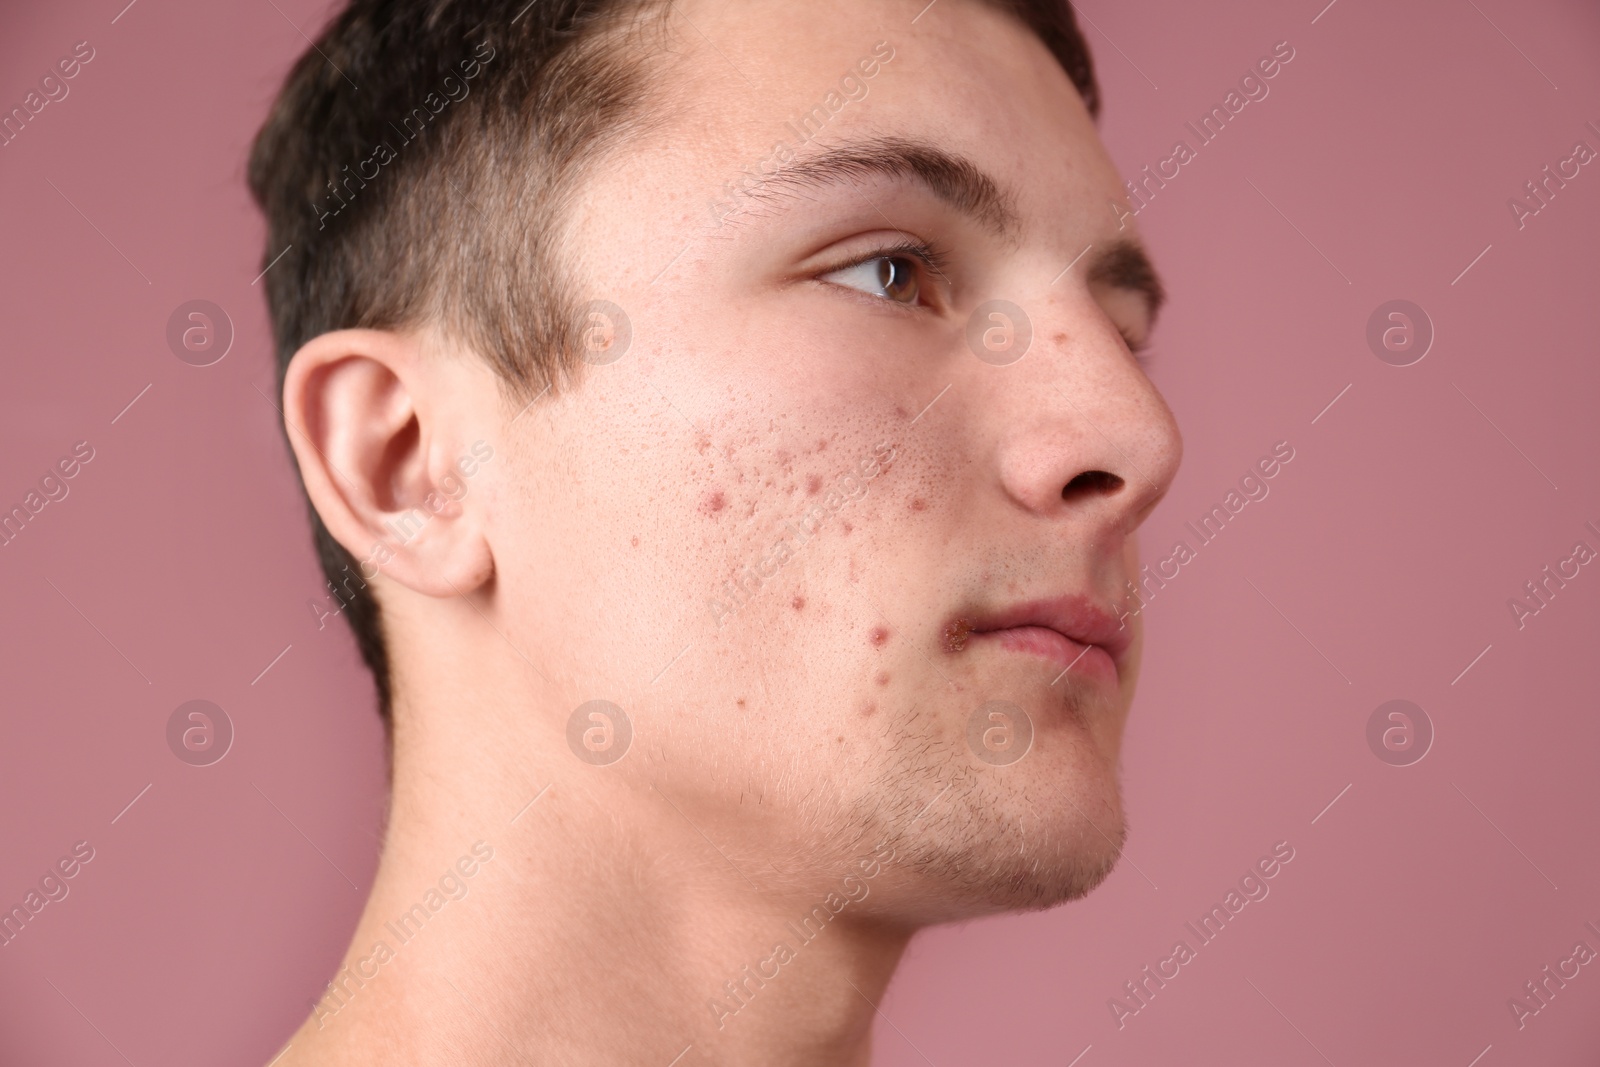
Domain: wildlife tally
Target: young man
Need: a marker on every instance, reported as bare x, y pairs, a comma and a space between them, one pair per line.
724, 434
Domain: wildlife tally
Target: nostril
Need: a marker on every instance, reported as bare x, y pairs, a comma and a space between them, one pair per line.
1091, 483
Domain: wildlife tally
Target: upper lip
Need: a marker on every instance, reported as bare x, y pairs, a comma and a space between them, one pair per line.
1077, 618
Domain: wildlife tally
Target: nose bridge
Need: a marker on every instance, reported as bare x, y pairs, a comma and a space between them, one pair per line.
1085, 432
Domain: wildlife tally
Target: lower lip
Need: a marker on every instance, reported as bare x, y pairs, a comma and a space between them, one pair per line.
1085, 661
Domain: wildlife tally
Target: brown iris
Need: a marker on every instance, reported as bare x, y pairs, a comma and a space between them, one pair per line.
897, 276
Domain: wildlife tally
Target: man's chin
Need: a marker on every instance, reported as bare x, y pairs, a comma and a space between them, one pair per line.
973, 863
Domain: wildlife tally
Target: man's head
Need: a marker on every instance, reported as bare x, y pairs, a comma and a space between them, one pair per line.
761, 369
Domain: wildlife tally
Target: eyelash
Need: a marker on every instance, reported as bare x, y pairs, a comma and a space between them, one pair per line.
937, 259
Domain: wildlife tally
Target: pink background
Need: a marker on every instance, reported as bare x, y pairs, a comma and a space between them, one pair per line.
1378, 568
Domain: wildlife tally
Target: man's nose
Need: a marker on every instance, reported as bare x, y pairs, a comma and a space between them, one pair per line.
1085, 436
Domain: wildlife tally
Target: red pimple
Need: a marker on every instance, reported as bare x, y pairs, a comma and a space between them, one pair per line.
798, 602
713, 503
879, 636
866, 712
635, 540
883, 678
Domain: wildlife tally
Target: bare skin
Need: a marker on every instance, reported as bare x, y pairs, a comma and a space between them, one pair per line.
803, 738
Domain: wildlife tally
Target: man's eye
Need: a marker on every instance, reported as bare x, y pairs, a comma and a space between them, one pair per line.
892, 277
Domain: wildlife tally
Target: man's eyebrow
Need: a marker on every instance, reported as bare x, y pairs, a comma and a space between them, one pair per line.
1123, 264
952, 178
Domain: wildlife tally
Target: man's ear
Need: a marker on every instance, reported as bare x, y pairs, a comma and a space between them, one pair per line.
378, 453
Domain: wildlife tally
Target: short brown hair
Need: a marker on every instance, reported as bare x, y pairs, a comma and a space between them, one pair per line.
415, 167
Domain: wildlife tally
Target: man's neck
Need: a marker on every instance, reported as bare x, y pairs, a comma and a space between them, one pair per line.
531, 910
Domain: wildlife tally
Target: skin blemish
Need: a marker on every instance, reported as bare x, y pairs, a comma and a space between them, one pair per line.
740, 702
841, 739
635, 540
900, 411
955, 635
822, 444
1059, 339
798, 602
879, 636
868, 709
883, 678
702, 442
713, 502
813, 485
918, 504
846, 527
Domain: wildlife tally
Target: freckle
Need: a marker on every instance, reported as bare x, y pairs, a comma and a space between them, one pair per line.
883, 678
713, 503
635, 540
740, 702
1059, 339
841, 739
813, 485
879, 636
798, 602
918, 504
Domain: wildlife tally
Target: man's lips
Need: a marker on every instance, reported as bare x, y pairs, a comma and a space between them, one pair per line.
1072, 631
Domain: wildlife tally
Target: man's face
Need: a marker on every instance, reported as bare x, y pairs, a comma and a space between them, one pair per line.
800, 531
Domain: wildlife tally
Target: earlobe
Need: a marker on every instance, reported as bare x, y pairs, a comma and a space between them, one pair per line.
377, 450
